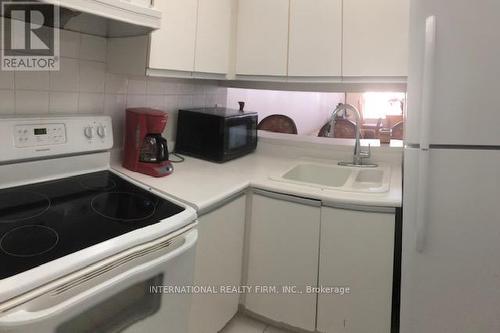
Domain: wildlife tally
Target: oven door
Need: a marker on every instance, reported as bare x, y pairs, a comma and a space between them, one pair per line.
120, 294
240, 136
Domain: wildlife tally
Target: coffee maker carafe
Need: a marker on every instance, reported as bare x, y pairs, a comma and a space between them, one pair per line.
146, 150
154, 149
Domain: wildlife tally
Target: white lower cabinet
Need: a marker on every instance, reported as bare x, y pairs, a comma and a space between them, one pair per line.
356, 251
283, 251
219, 258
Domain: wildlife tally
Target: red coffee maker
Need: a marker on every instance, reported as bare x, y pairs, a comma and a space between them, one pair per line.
145, 149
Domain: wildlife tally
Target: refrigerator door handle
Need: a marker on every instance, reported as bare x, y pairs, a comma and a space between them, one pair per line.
427, 102
423, 185
428, 81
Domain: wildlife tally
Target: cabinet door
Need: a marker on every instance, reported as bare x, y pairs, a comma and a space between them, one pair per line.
213, 36
357, 251
375, 41
262, 38
172, 46
315, 38
219, 256
283, 251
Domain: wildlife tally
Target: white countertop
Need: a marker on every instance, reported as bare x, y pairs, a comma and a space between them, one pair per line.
204, 184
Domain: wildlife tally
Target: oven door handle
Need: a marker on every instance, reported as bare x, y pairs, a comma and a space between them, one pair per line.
101, 291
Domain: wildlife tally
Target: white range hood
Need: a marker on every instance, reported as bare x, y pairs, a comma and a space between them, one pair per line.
110, 18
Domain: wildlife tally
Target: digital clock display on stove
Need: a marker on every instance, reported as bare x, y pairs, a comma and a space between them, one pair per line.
40, 131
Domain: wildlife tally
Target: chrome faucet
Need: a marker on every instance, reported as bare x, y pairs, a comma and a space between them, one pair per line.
359, 155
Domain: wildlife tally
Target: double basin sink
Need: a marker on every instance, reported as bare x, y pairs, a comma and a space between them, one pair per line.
335, 177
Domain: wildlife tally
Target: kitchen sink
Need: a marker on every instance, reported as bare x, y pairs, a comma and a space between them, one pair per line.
331, 176
369, 179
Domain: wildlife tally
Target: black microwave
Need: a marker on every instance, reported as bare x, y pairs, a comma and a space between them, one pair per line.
216, 134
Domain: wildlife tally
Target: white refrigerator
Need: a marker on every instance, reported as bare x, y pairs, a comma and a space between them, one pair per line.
451, 215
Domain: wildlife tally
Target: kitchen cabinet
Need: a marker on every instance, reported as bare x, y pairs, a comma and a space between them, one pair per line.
195, 37
283, 240
315, 38
356, 251
173, 45
262, 37
219, 258
213, 36
375, 37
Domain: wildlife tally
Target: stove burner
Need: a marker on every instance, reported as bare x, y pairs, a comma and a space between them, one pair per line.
22, 205
98, 183
123, 206
29, 241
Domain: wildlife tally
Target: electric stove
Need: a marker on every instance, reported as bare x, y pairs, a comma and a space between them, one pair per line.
45, 221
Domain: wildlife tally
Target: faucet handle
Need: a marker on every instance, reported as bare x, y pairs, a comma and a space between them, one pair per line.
366, 154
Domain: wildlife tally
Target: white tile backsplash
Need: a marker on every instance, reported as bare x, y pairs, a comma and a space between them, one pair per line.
70, 44
116, 84
31, 80
32, 102
155, 87
6, 80
7, 101
136, 101
185, 101
91, 103
155, 102
93, 48
92, 76
137, 86
114, 106
67, 78
82, 85
63, 102
171, 103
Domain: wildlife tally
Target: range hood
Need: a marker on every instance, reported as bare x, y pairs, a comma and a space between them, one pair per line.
108, 18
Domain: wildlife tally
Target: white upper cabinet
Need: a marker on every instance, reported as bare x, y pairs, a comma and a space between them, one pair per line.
213, 36
195, 36
375, 37
275, 38
315, 38
173, 45
262, 37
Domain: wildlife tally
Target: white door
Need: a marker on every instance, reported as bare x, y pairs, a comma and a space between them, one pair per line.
375, 37
467, 67
357, 251
283, 251
453, 284
315, 38
213, 36
172, 46
262, 38
219, 256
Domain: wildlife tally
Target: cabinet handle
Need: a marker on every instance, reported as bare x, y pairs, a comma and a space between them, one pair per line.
360, 208
289, 198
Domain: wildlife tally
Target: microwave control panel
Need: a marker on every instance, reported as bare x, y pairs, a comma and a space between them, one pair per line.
39, 135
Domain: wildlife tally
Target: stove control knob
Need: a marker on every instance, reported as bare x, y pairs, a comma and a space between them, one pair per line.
89, 132
101, 131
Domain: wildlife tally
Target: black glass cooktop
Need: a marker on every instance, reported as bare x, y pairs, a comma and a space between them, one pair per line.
45, 221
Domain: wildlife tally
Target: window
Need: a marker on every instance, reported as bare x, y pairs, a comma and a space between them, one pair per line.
380, 105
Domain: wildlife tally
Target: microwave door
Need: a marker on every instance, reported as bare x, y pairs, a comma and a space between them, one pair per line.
237, 137
241, 135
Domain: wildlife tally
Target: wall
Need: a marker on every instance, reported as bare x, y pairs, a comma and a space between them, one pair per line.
83, 85
309, 110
